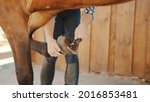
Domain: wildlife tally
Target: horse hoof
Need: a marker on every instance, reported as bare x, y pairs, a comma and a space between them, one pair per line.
64, 44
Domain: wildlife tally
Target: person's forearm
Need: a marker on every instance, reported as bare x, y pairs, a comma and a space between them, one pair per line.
52, 46
86, 19
48, 30
80, 31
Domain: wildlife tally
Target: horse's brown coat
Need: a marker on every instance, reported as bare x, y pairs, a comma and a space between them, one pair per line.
20, 18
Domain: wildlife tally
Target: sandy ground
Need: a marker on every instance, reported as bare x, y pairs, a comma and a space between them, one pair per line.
8, 77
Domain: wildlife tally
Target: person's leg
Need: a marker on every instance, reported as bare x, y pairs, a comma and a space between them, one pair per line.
48, 64
72, 68
48, 70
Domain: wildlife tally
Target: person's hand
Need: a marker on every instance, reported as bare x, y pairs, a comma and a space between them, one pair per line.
53, 48
80, 31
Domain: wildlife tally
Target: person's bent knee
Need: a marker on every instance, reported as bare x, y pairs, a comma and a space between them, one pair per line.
71, 58
51, 59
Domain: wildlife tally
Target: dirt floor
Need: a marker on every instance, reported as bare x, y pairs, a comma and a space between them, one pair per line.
8, 77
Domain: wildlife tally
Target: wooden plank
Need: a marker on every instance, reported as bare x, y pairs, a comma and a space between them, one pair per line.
147, 70
84, 53
124, 38
100, 40
112, 39
140, 36
61, 63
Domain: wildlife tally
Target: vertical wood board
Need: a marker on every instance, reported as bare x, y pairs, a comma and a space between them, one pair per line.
112, 40
124, 38
100, 39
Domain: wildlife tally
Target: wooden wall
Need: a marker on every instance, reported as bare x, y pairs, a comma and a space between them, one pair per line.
118, 41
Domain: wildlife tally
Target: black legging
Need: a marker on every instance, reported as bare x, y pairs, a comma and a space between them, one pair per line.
66, 23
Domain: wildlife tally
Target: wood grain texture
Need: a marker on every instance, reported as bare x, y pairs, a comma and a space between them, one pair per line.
124, 38
112, 40
147, 70
140, 36
100, 40
84, 53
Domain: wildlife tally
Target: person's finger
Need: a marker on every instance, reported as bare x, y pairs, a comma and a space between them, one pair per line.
76, 34
52, 54
57, 53
57, 48
51, 51
61, 52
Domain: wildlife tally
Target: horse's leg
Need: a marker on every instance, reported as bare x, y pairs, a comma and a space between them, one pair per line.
15, 28
36, 20
22, 56
40, 47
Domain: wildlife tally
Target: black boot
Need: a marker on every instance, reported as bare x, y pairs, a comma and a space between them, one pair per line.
48, 70
72, 70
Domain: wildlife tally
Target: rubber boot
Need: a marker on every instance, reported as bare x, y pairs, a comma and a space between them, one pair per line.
48, 70
72, 70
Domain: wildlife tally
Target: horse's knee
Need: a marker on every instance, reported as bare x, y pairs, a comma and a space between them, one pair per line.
24, 77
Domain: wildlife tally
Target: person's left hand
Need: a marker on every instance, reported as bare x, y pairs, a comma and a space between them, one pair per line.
80, 31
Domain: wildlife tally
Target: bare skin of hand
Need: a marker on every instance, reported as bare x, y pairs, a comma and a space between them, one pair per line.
81, 30
53, 48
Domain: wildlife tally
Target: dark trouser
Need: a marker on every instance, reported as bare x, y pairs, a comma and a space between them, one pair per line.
66, 23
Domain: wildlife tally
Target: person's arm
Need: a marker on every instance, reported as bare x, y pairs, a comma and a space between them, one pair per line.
52, 46
86, 20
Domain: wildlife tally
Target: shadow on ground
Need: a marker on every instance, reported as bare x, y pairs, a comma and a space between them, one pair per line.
8, 77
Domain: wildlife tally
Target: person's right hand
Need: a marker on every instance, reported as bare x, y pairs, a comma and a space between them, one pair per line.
53, 48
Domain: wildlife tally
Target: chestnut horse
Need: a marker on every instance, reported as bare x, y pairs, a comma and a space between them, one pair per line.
20, 18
